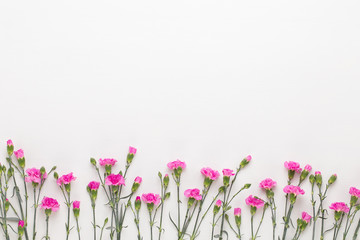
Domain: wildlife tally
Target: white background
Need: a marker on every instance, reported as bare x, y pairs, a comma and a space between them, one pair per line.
207, 82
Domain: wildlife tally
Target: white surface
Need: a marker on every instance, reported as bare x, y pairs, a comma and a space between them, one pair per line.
204, 81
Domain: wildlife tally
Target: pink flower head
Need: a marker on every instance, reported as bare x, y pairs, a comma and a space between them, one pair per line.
193, 193
115, 180
293, 166
137, 198
339, 207
175, 164
76, 204
107, 161
267, 184
9, 143
228, 172
93, 185
354, 192
34, 175
49, 203
138, 180
19, 154
317, 173
306, 217
218, 203
132, 150
307, 168
209, 173
66, 179
248, 158
254, 201
21, 223
237, 212
296, 190
151, 198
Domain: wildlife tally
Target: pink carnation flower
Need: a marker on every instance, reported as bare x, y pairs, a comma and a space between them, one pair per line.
19, 154
76, 204
339, 207
218, 203
21, 223
193, 193
254, 201
308, 168
267, 183
138, 180
296, 190
66, 179
209, 173
176, 164
49, 203
354, 192
151, 198
317, 173
294, 166
9, 143
248, 158
107, 161
34, 175
115, 180
237, 212
228, 172
137, 198
93, 185
132, 150
306, 217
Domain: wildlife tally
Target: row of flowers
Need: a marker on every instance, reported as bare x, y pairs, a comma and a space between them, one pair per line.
187, 224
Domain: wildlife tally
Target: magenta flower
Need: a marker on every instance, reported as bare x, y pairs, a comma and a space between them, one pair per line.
237, 212
49, 203
107, 162
65, 179
209, 173
267, 184
176, 164
306, 217
354, 192
339, 207
293, 166
218, 203
248, 158
317, 173
228, 172
151, 198
10, 143
137, 198
132, 150
193, 193
93, 185
19, 154
76, 204
34, 175
254, 201
291, 189
307, 168
115, 180
138, 180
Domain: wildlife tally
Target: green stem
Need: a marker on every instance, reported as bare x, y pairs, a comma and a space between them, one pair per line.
252, 227
94, 218
213, 227
178, 205
287, 220
223, 215
68, 216
47, 228
35, 211
77, 226
356, 230
262, 218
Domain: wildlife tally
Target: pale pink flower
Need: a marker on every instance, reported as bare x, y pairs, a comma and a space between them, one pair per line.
49, 203
176, 164
254, 201
294, 166
66, 179
138, 180
76, 204
9, 143
193, 193
248, 158
308, 168
151, 198
354, 192
306, 217
209, 173
115, 180
218, 203
107, 161
34, 175
339, 207
93, 185
19, 154
267, 183
228, 172
132, 150
237, 212
296, 190
21, 223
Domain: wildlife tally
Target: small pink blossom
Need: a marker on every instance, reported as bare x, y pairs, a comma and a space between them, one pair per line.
228, 172
193, 193
93, 185
254, 201
267, 183
218, 203
248, 158
339, 207
21, 223
137, 198
19, 154
138, 180
66, 179
209, 173
296, 190
9, 143
354, 192
306, 217
76, 204
237, 212
176, 164
132, 150
308, 168
151, 198
294, 166
34, 175
115, 180
317, 173
49, 203
107, 161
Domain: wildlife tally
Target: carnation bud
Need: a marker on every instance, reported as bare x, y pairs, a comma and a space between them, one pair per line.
76, 209
217, 207
10, 147
247, 186
312, 179
93, 161
56, 175
304, 174
245, 161
318, 178
226, 180
7, 205
21, 228
10, 172
166, 180
137, 203
332, 179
